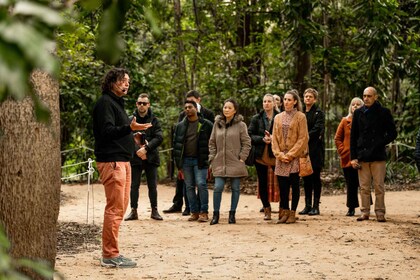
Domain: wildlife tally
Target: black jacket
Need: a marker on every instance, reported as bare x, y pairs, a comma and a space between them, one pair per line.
111, 129
316, 126
372, 129
204, 131
154, 137
256, 131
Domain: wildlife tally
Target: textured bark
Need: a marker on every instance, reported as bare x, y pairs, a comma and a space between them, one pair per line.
30, 173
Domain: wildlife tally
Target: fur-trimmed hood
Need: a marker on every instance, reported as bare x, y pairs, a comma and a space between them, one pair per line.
221, 121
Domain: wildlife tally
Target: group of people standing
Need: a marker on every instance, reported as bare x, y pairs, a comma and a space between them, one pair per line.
281, 134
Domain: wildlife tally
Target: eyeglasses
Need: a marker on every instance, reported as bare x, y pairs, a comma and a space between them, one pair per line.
142, 103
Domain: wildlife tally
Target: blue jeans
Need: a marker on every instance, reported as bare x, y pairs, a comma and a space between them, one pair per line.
195, 176
219, 185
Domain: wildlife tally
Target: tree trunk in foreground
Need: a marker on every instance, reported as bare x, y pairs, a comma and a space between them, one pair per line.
30, 173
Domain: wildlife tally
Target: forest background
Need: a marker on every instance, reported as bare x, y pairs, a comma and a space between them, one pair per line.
244, 49
53, 55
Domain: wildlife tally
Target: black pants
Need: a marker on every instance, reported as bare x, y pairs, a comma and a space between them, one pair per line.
180, 194
151, 177
262, 173
352, 182
284, 184
312, 183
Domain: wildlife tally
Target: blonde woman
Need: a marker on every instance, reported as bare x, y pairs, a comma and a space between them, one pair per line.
260, 129
289, 143
342, 142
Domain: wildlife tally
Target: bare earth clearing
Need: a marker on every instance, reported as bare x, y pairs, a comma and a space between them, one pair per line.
329, 246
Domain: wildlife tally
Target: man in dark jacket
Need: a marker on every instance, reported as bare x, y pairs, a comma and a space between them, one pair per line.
373, 128
114, 146
191, 152
146, 157
315, 118
180, 191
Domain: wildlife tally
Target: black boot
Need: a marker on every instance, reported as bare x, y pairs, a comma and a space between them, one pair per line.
186, 212
308, 208
173, 209
350, 213
215, 219
315, 209
155, 214
132, 216
232, 219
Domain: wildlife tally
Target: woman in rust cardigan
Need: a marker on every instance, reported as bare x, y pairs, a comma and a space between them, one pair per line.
342, 141
289, 143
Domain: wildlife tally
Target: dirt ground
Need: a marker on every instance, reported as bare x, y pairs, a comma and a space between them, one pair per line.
329, 246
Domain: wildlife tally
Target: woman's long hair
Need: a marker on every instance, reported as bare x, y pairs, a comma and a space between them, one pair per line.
295, 95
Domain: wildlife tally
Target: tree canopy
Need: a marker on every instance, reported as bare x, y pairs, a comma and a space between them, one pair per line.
239, 49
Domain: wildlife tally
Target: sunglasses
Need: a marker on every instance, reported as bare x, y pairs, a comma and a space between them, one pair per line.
142, 103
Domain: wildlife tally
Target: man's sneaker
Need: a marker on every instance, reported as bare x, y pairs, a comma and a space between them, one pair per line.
119, 261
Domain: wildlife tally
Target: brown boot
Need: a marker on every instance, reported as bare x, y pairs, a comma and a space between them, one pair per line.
132, 216
203, 217
292, 217
267, 213
284, 216
193, 217
280, 213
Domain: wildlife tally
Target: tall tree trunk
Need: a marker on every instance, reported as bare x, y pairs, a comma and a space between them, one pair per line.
303, 69
303, 52
330, 131
30, 173
180, 49
196, 45
248, 32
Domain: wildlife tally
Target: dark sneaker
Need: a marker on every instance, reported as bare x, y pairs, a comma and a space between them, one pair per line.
119, 261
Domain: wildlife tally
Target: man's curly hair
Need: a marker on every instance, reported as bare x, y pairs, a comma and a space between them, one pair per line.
114, 75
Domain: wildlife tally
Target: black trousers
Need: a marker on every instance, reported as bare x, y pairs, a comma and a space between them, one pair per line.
151, 177
180, 194
262, 173
352, 182
284, 184
312, 183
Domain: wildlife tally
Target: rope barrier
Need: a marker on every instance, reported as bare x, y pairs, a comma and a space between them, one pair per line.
75, 164
90, 171
78, 148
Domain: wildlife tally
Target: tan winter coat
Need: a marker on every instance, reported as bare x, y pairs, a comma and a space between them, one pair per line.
228, 146
296, 142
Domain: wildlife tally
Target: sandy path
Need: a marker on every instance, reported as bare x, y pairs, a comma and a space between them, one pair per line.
329, 246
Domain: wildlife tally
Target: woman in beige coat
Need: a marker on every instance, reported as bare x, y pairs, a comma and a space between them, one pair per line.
289, 143
229, 146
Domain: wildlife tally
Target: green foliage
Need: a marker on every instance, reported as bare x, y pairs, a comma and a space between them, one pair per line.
26, 43
400, 172
11, 268
239, 49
